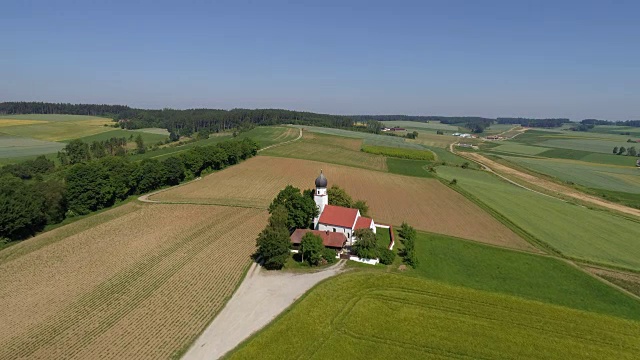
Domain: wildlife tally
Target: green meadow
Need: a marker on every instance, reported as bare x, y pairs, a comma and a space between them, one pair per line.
575, 231
381, 315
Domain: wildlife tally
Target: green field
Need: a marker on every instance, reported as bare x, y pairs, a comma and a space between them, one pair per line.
534, 277
591, 145
382, 316
515, 148
575, 231
16, 147
56, 127
401, 153
418, 168
595, 176
369, 138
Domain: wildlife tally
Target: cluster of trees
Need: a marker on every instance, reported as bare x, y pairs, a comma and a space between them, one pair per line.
36, 193
408, 236
411, 135
630, 151
543, 123
582, 127
77, 151
313, 251
290, 209
367, 247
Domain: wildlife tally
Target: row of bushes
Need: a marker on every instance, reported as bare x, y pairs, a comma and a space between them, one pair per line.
37, 193
412, 154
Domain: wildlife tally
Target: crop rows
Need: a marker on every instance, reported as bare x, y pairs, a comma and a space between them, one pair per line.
143, 295
424, 203
376, 315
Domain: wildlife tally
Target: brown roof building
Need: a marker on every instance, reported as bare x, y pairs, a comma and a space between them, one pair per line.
329, 239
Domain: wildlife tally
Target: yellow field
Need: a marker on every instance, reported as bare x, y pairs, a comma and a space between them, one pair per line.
425, 203
135, 282
13, 122
57, 130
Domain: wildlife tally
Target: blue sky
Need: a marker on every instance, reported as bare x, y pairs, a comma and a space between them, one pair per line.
573, 59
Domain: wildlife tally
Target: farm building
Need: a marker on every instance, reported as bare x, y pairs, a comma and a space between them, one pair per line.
334, 219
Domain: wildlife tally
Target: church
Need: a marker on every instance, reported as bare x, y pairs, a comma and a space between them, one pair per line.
334, 224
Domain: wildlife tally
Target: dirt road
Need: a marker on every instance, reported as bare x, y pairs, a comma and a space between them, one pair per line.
556, 188
259, 299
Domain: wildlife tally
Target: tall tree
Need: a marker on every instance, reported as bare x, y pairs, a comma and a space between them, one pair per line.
300, 209
366, 245
21, 208
273, 243
140, 144
89, 188
312, 248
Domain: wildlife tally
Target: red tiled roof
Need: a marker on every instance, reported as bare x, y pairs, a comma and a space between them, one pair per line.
363, 223
330, 239
338, 216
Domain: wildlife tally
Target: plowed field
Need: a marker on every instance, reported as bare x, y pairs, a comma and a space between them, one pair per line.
140, 284
424, 203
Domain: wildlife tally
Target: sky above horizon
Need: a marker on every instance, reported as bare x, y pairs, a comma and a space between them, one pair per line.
575, 59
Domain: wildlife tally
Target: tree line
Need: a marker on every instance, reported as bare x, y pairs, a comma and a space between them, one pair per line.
543, 123
36, 193
187, 122
632, 123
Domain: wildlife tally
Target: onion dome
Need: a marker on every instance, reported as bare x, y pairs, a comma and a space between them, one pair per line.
321, 181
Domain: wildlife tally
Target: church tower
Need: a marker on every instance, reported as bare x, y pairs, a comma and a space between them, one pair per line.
320, 196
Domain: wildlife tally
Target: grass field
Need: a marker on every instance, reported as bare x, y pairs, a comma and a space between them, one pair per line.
102, 287
591, 145
56, 127
329, 148
419, 168
534, 277
369, 138
426, 204
15, 147
597, 176
377, 315
519, 149
575, 231
401, 153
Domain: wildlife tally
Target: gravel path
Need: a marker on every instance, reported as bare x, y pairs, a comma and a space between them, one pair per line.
259, 299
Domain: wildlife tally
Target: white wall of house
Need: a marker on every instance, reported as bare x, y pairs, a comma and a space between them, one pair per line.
348, 232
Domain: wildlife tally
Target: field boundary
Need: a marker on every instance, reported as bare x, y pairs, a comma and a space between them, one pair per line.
145, 197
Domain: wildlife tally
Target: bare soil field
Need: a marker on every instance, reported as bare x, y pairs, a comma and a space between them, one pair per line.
424, 203
140, 284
